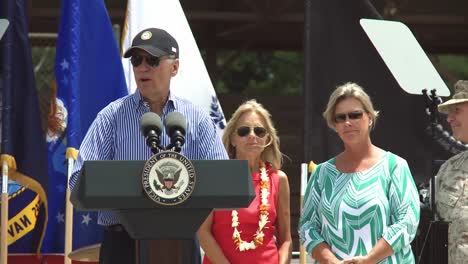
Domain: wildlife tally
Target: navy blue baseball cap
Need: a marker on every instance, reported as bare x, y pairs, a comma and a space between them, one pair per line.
155, 41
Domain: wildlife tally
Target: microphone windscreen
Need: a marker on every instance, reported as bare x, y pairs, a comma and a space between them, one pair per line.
150, 121
175, 120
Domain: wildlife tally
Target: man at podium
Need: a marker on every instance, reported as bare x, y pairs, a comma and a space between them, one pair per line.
452, 179
115, 133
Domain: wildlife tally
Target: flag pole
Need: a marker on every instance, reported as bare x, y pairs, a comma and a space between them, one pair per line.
4, 215
4, 208
304, 172
306, 169
68, 215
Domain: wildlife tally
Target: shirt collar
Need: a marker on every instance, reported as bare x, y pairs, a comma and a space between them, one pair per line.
172, 103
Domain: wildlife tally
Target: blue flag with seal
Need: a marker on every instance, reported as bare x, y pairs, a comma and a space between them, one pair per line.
23, 146
89, 75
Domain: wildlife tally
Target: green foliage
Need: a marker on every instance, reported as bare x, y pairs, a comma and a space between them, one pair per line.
456, 64
244, 72
259, 72
43, 58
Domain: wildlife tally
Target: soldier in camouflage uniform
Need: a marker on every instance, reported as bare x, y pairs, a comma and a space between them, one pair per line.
452, 179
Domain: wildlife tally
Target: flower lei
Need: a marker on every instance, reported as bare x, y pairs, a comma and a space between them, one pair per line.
263, 216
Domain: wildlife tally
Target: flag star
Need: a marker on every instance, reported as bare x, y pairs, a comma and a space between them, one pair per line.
86, 219
64, 64
60, 217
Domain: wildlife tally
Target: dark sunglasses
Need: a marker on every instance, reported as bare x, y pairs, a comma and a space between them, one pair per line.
245, 130
152, 61
354, 115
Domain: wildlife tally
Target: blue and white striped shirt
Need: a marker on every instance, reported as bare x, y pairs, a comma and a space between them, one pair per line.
115, 135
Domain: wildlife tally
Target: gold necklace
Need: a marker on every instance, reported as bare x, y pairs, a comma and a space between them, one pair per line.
263, 216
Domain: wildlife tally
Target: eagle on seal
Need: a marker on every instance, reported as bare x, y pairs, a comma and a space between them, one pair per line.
168, 178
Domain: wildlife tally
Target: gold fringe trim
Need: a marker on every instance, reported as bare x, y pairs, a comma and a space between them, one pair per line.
312, 166
71, 153
10, 160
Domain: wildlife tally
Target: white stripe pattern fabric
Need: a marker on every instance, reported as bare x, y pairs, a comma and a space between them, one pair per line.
115, 135
352, 211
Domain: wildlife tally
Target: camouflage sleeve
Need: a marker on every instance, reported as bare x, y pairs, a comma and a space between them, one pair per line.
458, 228
441, 175
452, 198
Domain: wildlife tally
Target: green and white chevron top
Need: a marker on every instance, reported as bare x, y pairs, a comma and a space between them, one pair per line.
352, 211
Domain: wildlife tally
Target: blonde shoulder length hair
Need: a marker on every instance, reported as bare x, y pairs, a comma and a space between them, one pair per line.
271, 153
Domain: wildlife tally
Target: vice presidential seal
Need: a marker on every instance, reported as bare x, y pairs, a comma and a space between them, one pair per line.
168, 178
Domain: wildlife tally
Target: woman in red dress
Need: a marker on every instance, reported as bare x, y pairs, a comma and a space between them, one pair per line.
260, 233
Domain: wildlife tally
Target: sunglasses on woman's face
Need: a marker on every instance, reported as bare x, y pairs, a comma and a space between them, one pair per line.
137, 60
354, 115
245, 130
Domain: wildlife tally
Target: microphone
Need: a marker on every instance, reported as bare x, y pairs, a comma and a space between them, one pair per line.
176, 128
151, 127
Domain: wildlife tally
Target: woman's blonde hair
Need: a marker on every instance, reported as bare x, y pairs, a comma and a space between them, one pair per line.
345, 91
271, 153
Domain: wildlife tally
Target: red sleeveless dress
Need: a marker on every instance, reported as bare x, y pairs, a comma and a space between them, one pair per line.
248, 224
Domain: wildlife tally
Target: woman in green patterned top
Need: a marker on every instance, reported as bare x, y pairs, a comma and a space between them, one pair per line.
361, 206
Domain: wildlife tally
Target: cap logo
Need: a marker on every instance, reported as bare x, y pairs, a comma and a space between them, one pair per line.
146, 35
